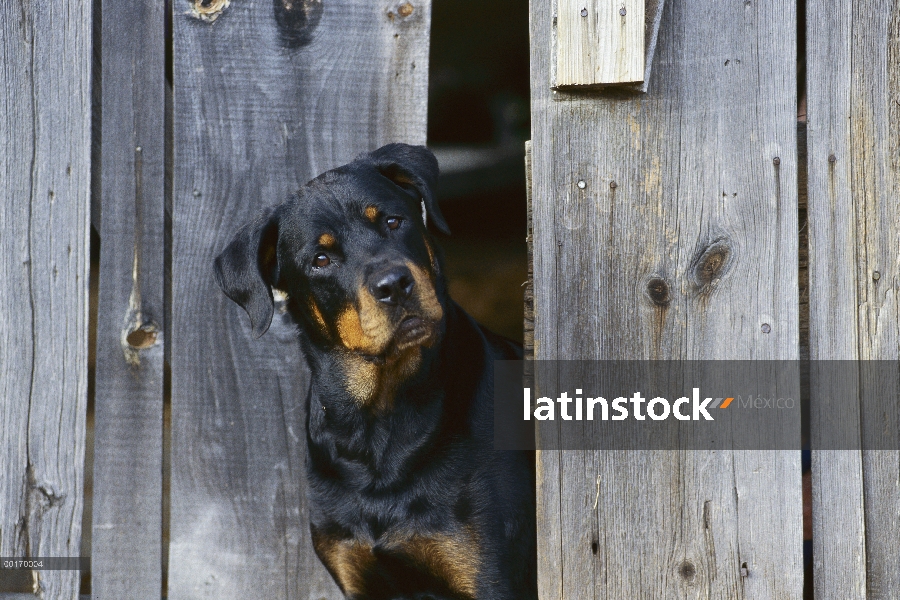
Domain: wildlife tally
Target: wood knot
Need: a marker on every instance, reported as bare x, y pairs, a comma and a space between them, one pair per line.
687, 570
658, 291
208, 10
142, 338
712, 263
296, 20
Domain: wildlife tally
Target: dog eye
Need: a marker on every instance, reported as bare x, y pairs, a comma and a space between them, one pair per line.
393, 222
321, 260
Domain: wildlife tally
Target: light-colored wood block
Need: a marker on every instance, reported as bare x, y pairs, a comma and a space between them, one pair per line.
599, 42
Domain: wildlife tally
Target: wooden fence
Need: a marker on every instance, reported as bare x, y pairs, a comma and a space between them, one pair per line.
629, 192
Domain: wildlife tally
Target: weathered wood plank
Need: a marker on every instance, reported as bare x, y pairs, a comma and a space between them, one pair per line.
263, 101
600, 42
853, 66
632, 189
126, 543
528, 334
45, 118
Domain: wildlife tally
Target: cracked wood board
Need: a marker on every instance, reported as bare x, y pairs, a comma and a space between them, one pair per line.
45, 117
693, 165
853, 143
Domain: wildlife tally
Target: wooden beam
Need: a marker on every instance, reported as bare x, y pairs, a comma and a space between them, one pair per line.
628, 192
45, 120
126, 544
853, 79
264, 100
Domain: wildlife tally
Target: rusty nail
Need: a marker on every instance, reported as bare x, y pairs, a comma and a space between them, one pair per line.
581, 184
583, 12
876, 275
622, 11
766, 328
613, 185
405, 10
832, 158
777, 161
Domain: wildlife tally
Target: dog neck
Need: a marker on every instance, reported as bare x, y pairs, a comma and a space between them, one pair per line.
435, 395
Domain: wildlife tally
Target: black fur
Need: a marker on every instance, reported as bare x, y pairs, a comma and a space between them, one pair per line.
408, 498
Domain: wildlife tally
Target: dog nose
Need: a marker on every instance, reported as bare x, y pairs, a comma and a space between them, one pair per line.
393, 286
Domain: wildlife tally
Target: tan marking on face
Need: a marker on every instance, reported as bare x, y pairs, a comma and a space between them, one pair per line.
317, 315
371, 213
361, 377
366, 330
375, 385
455, 558
326, 240
425, 293
347, 560
369, 330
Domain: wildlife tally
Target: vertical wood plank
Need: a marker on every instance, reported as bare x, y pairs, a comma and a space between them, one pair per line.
628, 190
45, 118
853, 66
264, 100
126, 543
599, 42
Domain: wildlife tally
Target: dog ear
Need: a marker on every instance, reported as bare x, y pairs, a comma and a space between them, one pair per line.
412, 166
248, 268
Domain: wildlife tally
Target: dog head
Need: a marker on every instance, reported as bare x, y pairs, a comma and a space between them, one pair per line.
353, 253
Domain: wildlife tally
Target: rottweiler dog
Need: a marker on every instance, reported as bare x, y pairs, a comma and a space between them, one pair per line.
409, 500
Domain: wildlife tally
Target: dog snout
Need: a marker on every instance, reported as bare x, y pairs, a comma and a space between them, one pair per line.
393, 286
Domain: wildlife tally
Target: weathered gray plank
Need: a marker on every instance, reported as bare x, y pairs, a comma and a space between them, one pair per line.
664, 176
261, 106
528, 333
126, 543
853, 66
45, 53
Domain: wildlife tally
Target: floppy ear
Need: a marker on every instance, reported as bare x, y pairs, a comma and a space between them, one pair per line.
411, 166
248, 267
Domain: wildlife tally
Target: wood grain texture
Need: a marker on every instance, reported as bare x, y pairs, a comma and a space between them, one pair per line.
263, 102
667, 176
126, 542
528, 333
599, 42
853, 66
45, 111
